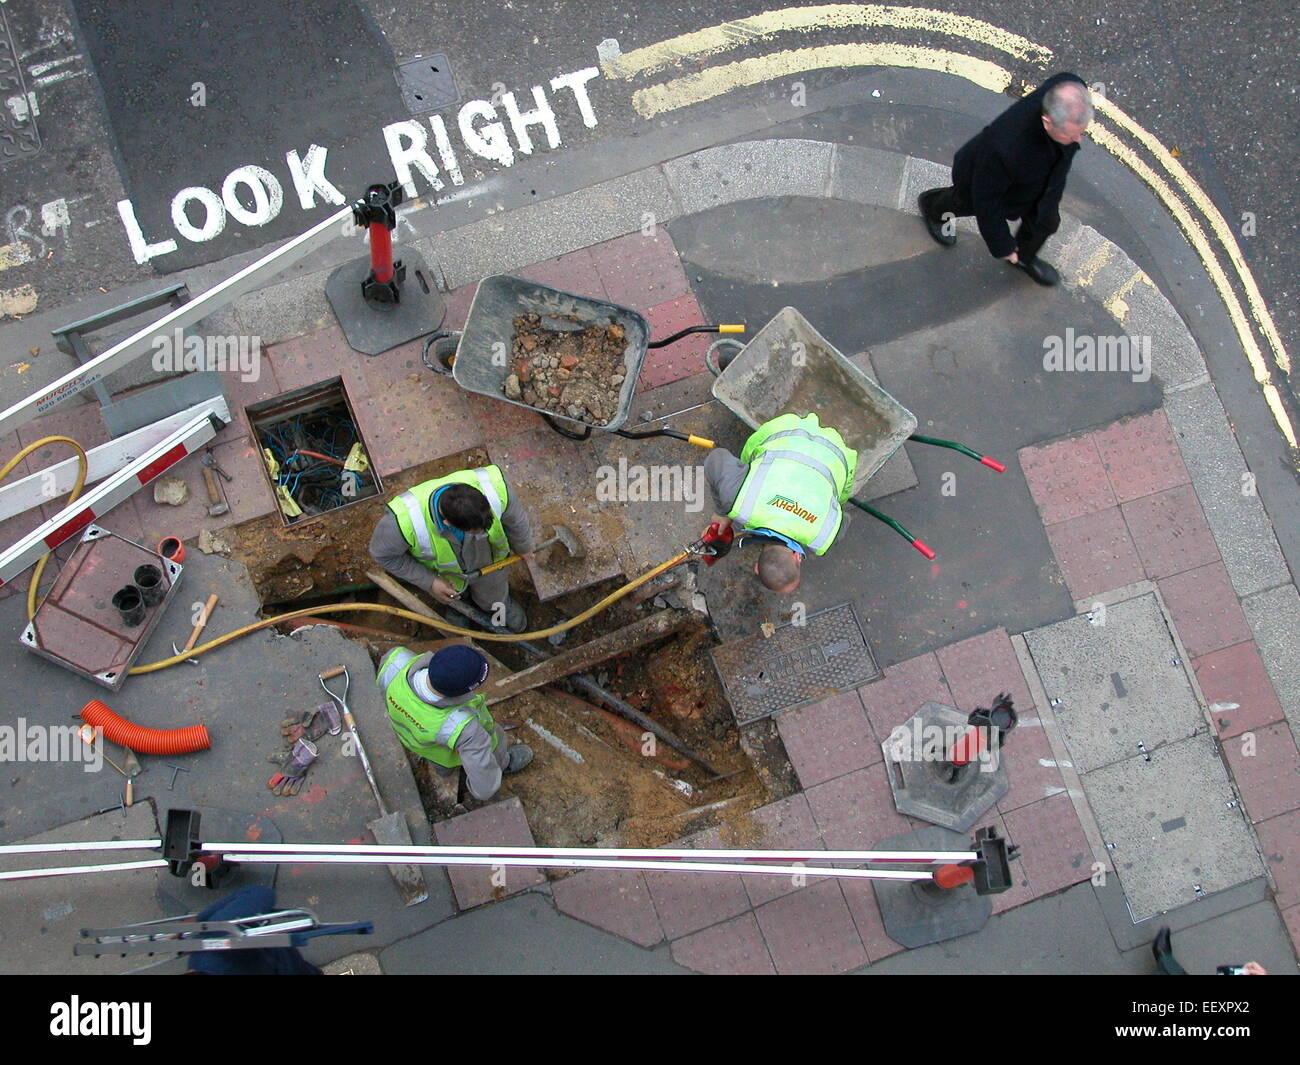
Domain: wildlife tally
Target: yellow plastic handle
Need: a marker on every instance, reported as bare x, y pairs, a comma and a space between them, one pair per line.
735, 328
699, 441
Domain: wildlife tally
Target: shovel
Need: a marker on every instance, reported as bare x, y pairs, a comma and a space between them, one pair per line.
389, 828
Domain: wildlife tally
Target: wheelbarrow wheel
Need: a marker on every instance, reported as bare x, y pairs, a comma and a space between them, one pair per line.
440, 352
721, 353
564, 430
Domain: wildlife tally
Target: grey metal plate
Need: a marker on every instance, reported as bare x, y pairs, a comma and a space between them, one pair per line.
1116, 682
796, 665
427, 84
1169, 827
18, 138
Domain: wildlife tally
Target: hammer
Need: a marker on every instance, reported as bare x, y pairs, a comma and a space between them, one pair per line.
198, 628
560, 534
216, 502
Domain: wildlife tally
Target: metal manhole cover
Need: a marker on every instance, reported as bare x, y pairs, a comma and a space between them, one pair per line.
427, 84
796, 665
18, 134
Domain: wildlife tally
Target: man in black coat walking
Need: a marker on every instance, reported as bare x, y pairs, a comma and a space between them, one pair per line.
1016, 167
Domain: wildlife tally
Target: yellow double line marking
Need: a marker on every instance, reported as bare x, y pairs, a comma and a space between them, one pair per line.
1178, 191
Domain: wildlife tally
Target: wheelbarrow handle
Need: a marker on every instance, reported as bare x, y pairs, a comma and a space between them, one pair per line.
738, 327
896, 526
935, 441
690, 438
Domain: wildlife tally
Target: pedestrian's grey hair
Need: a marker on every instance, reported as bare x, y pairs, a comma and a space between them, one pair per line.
1068, 102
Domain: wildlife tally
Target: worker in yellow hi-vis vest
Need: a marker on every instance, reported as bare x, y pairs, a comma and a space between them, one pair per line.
786, 490
439, 531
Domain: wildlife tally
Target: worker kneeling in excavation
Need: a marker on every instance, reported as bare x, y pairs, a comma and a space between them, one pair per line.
785, 492
435, 714
452, 527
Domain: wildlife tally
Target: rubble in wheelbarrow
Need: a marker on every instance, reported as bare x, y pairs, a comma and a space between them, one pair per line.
575, 373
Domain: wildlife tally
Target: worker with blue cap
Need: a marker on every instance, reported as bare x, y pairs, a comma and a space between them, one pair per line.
431, 703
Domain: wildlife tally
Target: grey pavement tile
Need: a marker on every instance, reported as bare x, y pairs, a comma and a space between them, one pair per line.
750, 170
732, 948
497, 824
866, 175
1274, 618
1236, 516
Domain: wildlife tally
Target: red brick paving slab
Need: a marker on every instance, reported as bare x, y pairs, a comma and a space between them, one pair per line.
812, 932
829, 739
1170, 532
615, 900
688, 902
860, 897
1269, 779
1141, 456
980, 667
498, 824
1237, 675
639, 271
241, 393
685, 357
1095, 553
1205, 610
787, 824
902, 691
1067, 479
1026, 750
575, 272
1279, 840
856, 811
1292, 917
412, 415
248, 494
733, 948
1053, 848
496, 419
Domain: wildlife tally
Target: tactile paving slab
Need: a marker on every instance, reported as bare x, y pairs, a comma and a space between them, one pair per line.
798, 664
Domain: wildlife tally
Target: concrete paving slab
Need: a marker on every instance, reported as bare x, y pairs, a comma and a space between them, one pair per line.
1266, 768
1274, 618
1237, 689
1095, 553
1279, 840
811, 932
1115, 685
1170, 532
556, 480
1144, 311
1170, 826
1067, 479
286, 309
828, 739
1204, 608
497, 824
866, 175
574, 272
1141, 456
749, 171
522, 935
1225, 487
615, 900
732, 948
499, 244
241, 692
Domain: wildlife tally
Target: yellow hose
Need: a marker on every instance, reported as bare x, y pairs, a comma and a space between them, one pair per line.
82, 467
337, 608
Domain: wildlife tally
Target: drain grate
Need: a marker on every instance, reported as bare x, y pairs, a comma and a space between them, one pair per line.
796, 665
427, 84
18, 135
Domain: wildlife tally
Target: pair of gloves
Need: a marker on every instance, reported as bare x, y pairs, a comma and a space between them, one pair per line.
301, 733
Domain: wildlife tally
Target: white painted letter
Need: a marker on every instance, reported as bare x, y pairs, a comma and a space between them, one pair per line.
214, 220
541, 115
141, 250
309, 178
412, 153
268, 196
577, 81
490, 142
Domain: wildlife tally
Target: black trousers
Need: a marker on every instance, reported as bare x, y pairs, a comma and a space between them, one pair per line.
1030, 237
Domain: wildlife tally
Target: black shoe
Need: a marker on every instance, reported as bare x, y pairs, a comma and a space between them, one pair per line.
935, 229
1043, 273
1163, 950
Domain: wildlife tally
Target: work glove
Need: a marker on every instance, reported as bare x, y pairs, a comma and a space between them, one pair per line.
294, 764
312, 724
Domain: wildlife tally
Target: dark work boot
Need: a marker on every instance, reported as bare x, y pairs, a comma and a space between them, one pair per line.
1043, 273
1164, 954
932, 226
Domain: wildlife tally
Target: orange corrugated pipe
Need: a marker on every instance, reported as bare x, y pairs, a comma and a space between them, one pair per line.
145, 740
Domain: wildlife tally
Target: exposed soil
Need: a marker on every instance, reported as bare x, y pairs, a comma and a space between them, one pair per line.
576, 373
